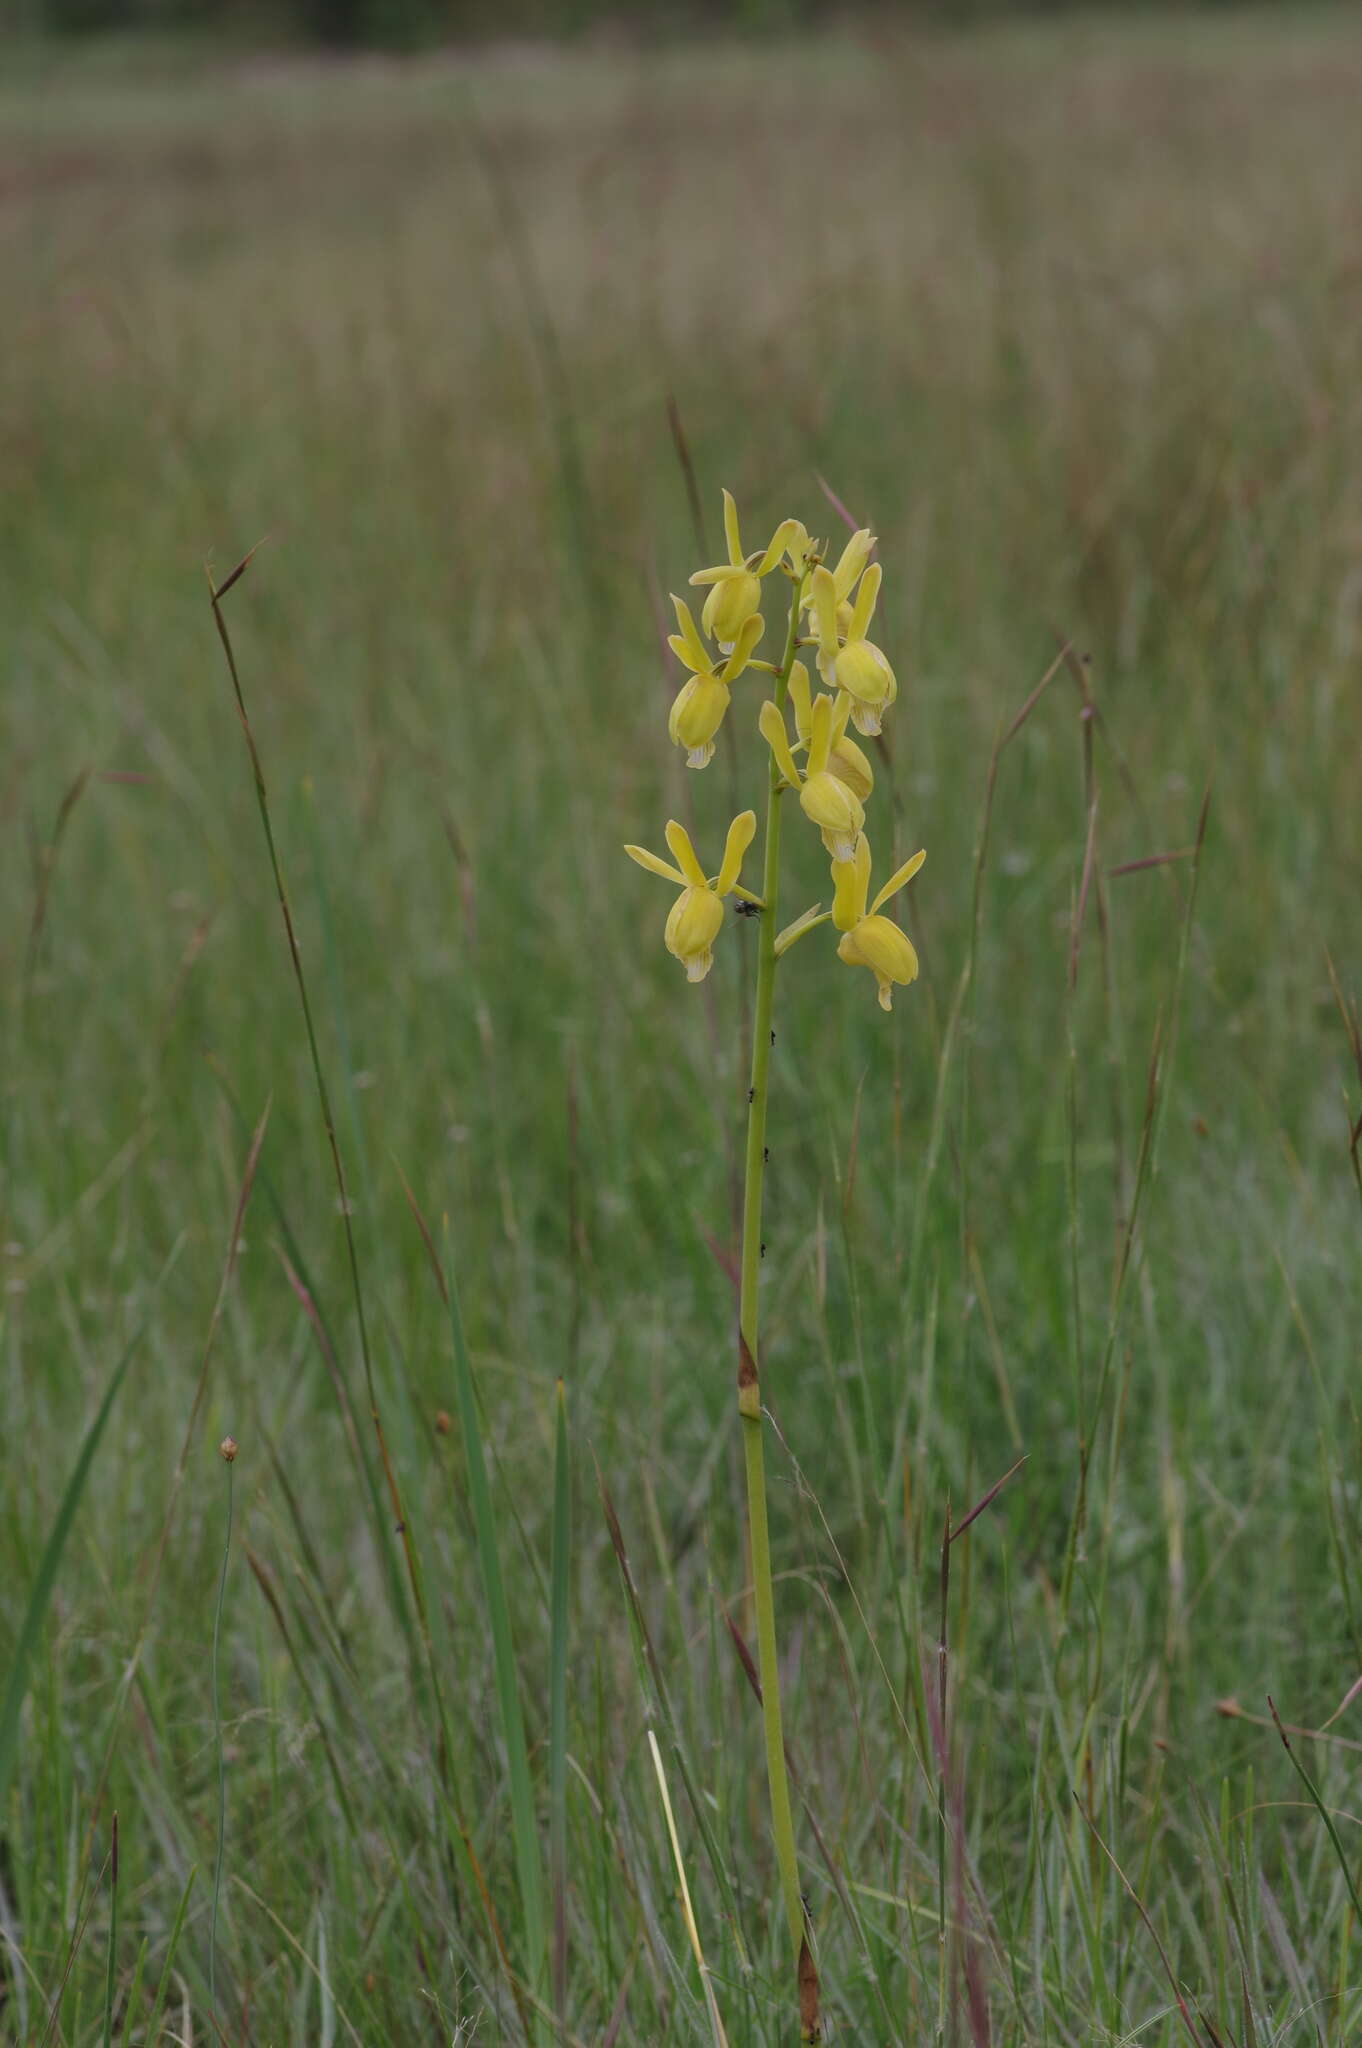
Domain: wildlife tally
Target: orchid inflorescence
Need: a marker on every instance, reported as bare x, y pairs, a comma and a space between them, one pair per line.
831, 611
829, 618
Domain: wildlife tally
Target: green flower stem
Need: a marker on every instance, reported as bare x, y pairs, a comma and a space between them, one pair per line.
749, 1385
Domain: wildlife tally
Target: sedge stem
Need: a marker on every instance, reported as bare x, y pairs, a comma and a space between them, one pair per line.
749, 1385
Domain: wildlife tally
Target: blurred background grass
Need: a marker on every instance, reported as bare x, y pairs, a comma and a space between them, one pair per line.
1069, 312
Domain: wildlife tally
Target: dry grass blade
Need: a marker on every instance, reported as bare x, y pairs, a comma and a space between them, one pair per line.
1151, 860
1031, 702
427, 1240
1353, 1026
687, 1910
42, 894
1230, 1710
958, 1529
1080, 908
684, 457
1318, 1803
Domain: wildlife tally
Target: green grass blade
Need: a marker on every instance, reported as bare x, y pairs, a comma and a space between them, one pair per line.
153, 2032
35, 1614
134, 1993
558, 1647
523, 1828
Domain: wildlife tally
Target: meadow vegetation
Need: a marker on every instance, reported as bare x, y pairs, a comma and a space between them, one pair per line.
1071, 316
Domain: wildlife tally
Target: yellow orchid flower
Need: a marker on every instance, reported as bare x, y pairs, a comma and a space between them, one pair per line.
846, 761
853, 559
735, 585
869, 940
846, 659
696, 918
823, 797
700, 703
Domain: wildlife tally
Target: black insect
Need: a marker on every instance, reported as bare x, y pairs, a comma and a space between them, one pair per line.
746, 909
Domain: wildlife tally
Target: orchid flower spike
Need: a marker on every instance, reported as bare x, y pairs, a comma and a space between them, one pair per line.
697, 916
846, 659
823, 797
735, 585
846, 761
869, 940
701, 702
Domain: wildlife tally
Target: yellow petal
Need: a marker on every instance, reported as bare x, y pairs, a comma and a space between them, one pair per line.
684, 854
730, 604
772, 728
799, 698
878, 943
850, 881
820, 735
695, 922
697, 712
863, 672
692, 648
849, 765
824, 597
787, 532
864, 608
731, 534
740, 836
798, 545
855, 555
655, 864
744, 643
834, 808
898, 878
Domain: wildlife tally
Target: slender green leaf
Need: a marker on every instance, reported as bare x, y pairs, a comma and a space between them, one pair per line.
30, 1629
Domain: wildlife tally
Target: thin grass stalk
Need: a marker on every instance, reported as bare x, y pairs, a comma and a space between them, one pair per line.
111, 1974
558, 1645
228, 1450
217, 592
749, 1384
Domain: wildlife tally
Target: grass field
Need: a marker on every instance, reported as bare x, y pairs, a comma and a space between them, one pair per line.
1072, 317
